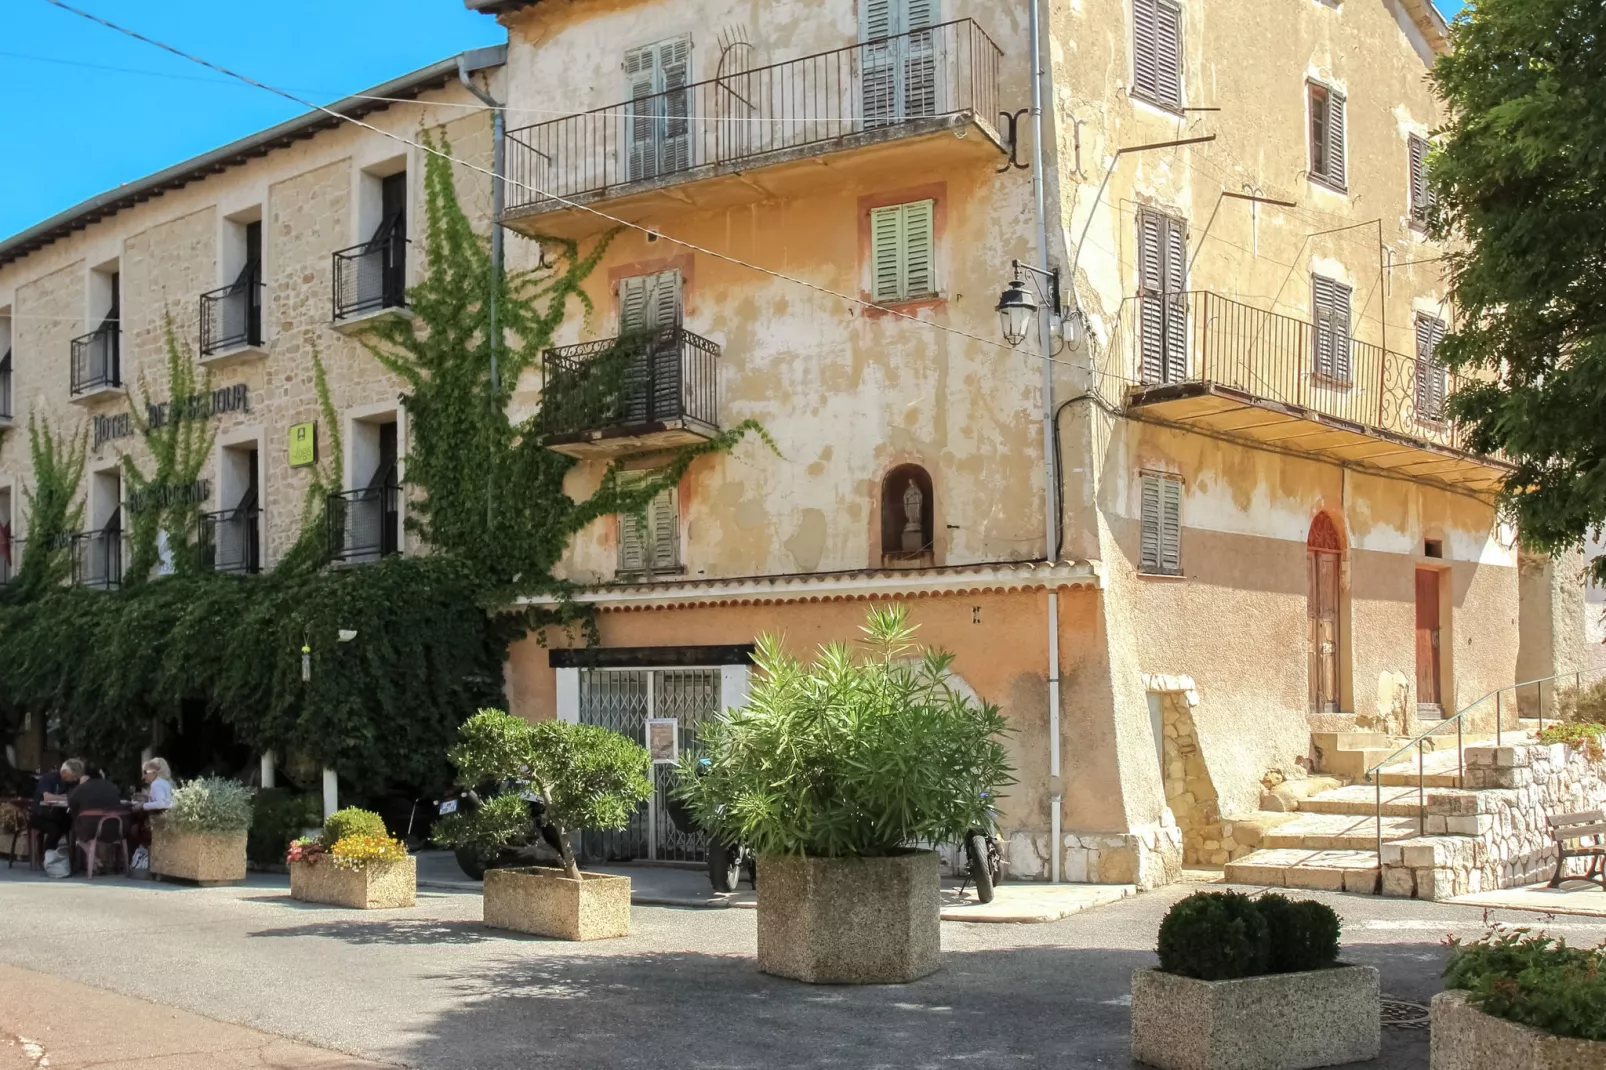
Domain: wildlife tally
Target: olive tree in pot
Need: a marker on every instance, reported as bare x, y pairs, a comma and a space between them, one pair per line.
201, 837
836, 773
564, 776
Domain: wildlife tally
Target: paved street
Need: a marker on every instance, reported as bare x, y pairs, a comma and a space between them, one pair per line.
430, 987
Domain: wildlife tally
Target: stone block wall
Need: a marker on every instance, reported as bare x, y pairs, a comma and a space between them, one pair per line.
1494, 834
1148, 858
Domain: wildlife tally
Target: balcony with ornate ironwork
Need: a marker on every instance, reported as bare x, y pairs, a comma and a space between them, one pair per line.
97, 362
97, 558
912, 102
370, 281
645, 391
364, 525
231, 322
231, 541
1205, 362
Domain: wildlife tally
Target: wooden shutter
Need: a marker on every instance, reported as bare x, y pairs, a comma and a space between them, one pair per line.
632, 552
1337, 171
635, 293
666, 347
1162, 284
1432, 380
919, 250
1149, 541
1160, 539
664, 516
886, 244
1146, 48
641, 72
877, 19
1421, 195
674, 71
1168, 55
1330, 301
1176, 301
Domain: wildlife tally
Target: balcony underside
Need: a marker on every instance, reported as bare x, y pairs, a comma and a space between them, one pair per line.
610, 442
1226, 412
910, 149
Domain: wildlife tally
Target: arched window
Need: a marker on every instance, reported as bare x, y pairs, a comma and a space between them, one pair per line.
1324, 553
908, 514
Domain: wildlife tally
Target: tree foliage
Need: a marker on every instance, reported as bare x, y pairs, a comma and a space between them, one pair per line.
1520, 179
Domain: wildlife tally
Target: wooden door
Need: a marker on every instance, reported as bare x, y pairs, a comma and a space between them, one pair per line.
1324, 697
1427, 638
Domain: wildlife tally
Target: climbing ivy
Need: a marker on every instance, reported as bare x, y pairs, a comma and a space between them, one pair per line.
55, 509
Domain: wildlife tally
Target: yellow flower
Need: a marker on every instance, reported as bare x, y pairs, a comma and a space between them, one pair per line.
358, 852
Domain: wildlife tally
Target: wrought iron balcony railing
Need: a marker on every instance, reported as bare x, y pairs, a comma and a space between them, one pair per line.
633, 384
97, 558
364, 524
371, 276
231, 541
232, 316
96, 360
884, 88
1203, 337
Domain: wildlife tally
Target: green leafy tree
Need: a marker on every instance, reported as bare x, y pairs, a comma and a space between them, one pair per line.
1520, 181
588, 776
853, 754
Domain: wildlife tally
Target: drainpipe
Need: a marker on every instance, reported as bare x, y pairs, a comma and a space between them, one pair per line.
481, 59
1050, 491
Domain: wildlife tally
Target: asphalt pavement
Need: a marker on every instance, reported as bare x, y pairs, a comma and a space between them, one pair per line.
432, 987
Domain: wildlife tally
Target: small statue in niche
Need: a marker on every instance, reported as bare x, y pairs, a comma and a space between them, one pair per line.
913, 510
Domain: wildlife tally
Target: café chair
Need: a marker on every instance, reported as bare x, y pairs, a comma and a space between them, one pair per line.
98, 833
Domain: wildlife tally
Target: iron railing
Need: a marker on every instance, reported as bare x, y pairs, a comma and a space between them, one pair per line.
364, 524
232, 316
97, 558
1512, 701
819, 102
5, 386
640, 380
231, 541
370, 276
1203, 337
96, 361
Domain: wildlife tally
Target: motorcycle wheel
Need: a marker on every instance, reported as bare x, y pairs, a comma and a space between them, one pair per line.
980, 871
724, 867
471, 863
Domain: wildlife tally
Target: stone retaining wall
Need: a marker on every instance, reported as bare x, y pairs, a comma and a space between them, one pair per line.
1493, 834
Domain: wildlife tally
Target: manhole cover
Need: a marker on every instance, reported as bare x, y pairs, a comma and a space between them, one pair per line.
1403, 1014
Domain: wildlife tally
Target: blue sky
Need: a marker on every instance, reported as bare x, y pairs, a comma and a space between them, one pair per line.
120, 126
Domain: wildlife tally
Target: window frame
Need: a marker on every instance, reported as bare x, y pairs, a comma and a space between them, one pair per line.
650, 568
1330, 95
1156, 94
1161, 491
902, 267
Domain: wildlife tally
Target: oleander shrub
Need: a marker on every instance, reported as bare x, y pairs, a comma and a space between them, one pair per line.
210, 804
1580, 735
279, 816
1531, 979
352, 821
1215, 936
1302, 934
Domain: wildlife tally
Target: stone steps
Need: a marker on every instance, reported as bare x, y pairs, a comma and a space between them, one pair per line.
1409, 779
1340, 832
1398, 801
1332, 871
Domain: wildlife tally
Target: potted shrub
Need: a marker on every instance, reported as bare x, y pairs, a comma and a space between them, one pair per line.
202, 836
1521, 999
560, 776
354, 863
1253, 984
837, 774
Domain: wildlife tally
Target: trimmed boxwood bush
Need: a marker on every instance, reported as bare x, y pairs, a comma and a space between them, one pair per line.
1222, 936
352, 821
1531, 979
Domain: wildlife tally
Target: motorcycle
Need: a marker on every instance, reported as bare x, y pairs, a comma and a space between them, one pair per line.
539, 844
726, 861
984, 854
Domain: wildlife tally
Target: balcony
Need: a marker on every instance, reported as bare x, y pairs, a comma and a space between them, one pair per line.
231, 323
905, 104
365, 524
231, 541
96, 362
97, 558
370, 281
645, 391
1208, 363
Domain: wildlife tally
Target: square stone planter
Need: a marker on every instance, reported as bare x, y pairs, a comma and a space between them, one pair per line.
373, 888
1284, 1021
544, 902
850, 921
1464, 1038
201, 857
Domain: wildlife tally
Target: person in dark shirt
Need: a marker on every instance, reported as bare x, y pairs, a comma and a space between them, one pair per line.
53, 788
93, 793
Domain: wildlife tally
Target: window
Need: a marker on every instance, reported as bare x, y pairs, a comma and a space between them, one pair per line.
900, 62
1331, 337
658, 129
1161, 551
908, 515
1432, 380
902, 240
1327, 135
650, 544
651, 305
1421, 193
1157, 51
1163, 304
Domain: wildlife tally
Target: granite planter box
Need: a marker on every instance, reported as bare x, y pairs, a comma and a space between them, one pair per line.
1464, 1038
850, 921
371, 888
544, 902
1283, 1021
201, 857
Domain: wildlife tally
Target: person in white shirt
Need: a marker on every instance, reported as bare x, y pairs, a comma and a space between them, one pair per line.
160, 779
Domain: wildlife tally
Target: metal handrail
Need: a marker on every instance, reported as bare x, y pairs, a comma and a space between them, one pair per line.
1420, 743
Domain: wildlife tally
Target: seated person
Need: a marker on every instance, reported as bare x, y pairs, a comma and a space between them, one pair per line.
160, 778
48, 813
94, 793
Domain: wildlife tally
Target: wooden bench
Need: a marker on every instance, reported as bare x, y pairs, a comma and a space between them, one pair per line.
1580, 835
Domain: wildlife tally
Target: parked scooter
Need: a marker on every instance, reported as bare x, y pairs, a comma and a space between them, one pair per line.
534, 851
984, 853
726, 861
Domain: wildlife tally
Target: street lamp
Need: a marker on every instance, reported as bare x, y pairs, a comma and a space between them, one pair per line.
1016, 310
1018, 307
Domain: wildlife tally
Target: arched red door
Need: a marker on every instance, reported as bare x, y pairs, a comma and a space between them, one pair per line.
1323, 556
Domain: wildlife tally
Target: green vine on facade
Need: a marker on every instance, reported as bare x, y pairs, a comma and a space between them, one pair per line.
55, 509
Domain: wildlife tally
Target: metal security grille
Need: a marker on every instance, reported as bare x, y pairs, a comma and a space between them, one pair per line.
623, 701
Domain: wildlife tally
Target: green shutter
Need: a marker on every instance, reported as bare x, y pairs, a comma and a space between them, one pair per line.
919, 250
886, 244
903, 252
877, 19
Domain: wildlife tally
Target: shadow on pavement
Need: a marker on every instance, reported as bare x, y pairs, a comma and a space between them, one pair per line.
390, 930
1034, 1006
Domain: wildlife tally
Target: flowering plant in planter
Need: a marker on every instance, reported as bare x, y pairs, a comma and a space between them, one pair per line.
309, 850
1531, 979
361, 851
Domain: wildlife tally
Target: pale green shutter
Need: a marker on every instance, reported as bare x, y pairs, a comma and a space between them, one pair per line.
886, 244
632, 554
1171, 527
1149, 521
664, 302
641, 72
877, 19
920, 14
903, 251
634, 307
919, 249
664, 515
674, 69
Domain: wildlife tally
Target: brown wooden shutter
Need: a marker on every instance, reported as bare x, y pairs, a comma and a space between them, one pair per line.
1168, 59
1421, 195
1146, 47
1160, 521
1432, 379
1176, 303
1318, 130
1337, 171
1330, 302
1162, 285
1149, 520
